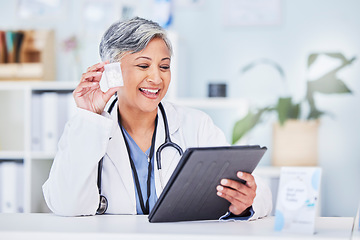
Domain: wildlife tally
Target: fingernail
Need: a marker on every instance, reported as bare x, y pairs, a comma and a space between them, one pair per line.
219, 193
233, 209
240, 174
219, 188
223, 181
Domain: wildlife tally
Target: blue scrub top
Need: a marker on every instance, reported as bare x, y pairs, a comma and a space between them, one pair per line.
141, 164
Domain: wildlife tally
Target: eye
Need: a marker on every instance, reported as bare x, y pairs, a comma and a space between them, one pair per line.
143, 66
165, 67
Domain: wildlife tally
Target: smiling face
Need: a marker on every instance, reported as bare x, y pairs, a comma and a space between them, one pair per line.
146, 76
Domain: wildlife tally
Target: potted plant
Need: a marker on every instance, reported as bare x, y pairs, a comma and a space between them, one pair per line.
295, 139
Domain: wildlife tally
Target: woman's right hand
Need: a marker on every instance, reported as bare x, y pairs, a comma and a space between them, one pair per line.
88, 94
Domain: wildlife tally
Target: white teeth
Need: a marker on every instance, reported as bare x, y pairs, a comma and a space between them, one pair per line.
153, 91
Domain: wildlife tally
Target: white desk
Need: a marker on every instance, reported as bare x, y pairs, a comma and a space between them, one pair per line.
50, 227
356, 228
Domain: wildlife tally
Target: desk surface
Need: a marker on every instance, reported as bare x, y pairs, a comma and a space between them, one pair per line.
49, 226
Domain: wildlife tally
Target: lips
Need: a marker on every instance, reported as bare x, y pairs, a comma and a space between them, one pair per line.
150, 92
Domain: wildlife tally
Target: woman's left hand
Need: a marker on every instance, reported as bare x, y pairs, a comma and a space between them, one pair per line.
241, 196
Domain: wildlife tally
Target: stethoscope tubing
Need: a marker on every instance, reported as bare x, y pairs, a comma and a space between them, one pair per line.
168, 143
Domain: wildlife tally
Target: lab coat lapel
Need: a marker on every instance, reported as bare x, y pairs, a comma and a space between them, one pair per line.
118, 154
169, 156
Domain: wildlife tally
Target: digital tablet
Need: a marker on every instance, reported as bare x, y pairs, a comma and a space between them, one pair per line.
190, 193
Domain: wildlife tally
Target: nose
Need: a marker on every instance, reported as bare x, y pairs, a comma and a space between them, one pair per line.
154, 76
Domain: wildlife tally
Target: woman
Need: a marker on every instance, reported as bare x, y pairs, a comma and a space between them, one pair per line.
125, 136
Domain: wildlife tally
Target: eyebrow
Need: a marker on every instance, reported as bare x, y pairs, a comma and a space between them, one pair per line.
148, 58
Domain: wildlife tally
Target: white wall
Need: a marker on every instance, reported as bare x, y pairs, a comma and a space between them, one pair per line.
211, 51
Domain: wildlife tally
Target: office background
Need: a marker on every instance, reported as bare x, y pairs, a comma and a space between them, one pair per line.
212, 50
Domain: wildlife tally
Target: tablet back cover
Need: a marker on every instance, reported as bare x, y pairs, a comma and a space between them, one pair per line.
190, 193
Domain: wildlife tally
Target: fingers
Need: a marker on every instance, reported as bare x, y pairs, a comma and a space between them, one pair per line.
241, 196
109, 93
88, 94
250, 181
236, 206
94, 72
99, 67
84, 87
246, 189
91, 77
234, 196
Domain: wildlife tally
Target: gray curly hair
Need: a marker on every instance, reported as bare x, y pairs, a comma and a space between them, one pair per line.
130, 36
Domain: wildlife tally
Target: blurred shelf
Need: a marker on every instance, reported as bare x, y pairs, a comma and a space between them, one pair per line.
21, 70
38, 85
42, 155
268, 171
12, 155
20, 155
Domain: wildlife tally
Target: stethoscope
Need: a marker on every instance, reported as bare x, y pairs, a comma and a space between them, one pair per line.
103, 204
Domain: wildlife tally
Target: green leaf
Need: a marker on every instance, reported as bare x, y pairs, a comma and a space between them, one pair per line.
242, 126
312, 58
282, 108
248, 67
295, 111
247, 123
341, 57
315, 114
264, 61
287, 110
328, 84
337, 55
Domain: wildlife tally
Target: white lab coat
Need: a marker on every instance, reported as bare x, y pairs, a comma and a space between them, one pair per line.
71, 189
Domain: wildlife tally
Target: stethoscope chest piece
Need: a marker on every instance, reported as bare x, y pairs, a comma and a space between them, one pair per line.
103, 205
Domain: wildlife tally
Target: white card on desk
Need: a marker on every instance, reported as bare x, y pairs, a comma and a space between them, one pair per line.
297, 199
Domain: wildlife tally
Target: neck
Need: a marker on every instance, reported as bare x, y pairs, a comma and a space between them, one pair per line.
137, 122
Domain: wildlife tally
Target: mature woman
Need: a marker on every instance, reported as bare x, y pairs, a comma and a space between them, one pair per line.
125, 135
